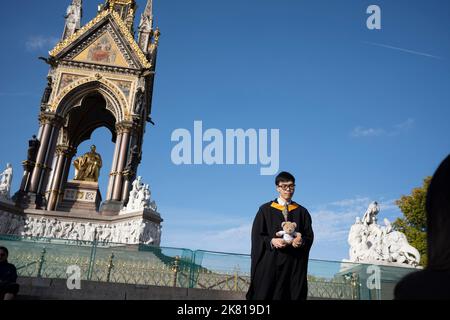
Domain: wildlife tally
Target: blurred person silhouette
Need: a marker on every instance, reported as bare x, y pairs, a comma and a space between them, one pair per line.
433, 283
8, 277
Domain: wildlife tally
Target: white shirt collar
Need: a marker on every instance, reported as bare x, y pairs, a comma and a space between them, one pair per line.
283, 202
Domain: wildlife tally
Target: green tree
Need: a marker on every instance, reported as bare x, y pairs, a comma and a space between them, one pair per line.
414, 222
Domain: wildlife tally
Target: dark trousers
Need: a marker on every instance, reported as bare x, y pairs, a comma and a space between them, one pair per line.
8, 287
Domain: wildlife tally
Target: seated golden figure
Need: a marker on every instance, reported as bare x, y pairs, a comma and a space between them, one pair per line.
87, 167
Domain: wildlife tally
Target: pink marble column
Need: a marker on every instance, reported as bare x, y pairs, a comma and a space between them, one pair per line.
54, 190
25, 179
65, 174
35, 177
48, 162
117, 190
113, 174
126, 189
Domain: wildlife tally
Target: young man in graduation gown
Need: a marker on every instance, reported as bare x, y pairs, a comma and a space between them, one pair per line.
279, 270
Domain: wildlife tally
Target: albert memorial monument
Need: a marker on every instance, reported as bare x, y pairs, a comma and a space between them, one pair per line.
100, 75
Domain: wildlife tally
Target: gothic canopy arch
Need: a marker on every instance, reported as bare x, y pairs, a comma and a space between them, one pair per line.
73, 96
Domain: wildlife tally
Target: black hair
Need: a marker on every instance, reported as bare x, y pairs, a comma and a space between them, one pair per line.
284, 177
5, 250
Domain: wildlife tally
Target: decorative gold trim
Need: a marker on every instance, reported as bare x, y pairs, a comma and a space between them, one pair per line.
97, 78
123, 28
126, 32
68, 41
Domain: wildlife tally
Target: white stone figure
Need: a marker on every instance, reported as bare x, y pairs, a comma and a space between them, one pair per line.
372, 243
147, 195
355, 239
370, 216
399, 248
28, 227
140, 198
107, 233
114, 234
35, 227
90, 232
49, 229
74, 233
118, 238
5, 183
81, 231
73, 18
128, 233
133, 203
65, 229
58, 229
40, 232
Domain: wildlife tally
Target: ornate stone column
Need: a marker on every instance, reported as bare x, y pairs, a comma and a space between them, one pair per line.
133, 160
27, 170
128, 177
113, 173
63, 156
50, 156
51, 124
46, 132
126, 128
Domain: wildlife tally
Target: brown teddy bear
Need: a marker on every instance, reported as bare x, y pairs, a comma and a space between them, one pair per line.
288, 232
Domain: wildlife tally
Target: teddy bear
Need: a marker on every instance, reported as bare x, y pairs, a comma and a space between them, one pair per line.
288, 232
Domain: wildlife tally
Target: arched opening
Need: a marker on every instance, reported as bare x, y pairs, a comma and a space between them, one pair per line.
114, 101
85, 119
91, 123
87, 122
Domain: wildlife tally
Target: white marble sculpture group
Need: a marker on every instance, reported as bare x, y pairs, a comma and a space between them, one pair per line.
371, 243
136, 231
140, 198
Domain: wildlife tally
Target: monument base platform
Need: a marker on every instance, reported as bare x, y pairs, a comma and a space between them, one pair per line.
81, 195
111, 208
140, 227
377, 281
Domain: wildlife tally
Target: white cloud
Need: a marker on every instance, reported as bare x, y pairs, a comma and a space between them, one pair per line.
361, 132
39, 42
404, 126
367, 132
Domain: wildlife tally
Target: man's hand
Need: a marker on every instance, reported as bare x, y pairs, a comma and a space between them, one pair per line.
298, 241
278, 243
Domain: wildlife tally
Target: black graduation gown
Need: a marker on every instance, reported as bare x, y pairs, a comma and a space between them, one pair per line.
279, 274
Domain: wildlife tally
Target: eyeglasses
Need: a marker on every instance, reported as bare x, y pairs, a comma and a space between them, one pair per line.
287, 187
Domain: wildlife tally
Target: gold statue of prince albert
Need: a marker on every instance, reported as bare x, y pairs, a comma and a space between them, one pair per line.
87, 167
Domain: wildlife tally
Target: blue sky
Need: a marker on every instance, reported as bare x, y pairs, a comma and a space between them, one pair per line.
363, 114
